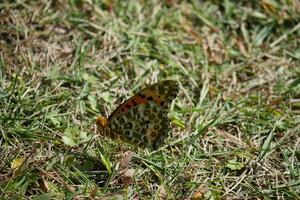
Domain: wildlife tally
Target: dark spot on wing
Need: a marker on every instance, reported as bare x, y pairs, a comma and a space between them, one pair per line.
134, 103
153, 134
146, 112
129, 115
128, 125
121, 120
138, 116
162, 103
160, 115
150, 98
127, 132
144, 139
143, 131
128, 106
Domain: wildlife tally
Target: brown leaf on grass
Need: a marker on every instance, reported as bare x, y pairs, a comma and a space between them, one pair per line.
128, 177
126, 159
126, 172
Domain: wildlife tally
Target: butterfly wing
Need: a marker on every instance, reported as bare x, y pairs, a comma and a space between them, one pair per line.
142, 119
161, 93
143, 125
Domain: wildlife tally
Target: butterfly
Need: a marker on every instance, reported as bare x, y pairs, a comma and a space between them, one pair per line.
142, 119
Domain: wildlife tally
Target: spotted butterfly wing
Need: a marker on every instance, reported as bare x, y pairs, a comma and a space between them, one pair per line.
142, 119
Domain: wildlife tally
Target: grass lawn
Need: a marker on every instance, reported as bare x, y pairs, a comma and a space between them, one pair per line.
235, 122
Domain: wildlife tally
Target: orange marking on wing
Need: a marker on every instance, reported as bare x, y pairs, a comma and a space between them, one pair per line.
123, 107
147, 94
156, 97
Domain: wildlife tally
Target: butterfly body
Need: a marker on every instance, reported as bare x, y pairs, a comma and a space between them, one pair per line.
142, 119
